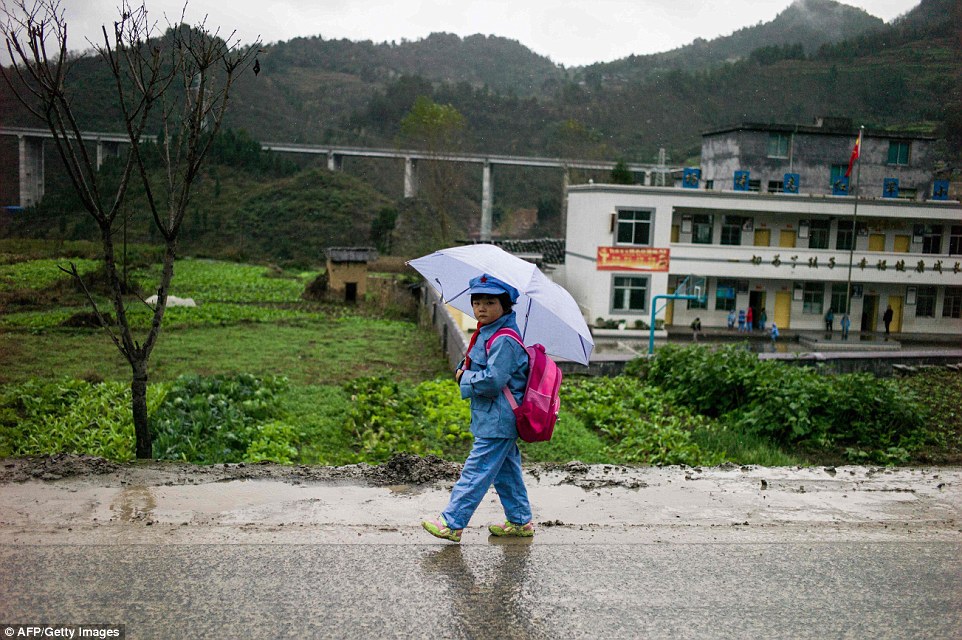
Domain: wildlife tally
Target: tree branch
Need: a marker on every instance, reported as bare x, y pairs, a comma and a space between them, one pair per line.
72, 271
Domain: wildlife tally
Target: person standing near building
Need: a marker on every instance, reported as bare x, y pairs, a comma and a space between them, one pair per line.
741, 320
774, 335
695, 329
749, 320
846, 323
887, 319
731, 319
829, 320
762, 319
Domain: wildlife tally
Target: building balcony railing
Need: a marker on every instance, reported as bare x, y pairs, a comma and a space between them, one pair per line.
794, 263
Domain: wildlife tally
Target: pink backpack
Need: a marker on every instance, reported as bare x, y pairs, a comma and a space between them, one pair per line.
538, 411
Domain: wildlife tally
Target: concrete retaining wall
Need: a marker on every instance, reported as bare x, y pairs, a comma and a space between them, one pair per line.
433, 313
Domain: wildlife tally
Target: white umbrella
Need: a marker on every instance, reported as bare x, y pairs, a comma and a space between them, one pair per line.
547, 314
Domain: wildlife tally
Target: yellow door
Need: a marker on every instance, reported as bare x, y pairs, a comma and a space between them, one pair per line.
786, 239
763, 237
783, 308
896, 303
901, 244
674, 233
876, 242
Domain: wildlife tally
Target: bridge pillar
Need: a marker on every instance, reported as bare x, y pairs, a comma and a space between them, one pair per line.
31, 170
104, 148
565, 182
335, 162
410, 178
487, 213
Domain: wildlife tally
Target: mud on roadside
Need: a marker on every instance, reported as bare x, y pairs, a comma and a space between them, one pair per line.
401, 469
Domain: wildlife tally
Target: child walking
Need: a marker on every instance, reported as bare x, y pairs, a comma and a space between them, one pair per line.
495, 457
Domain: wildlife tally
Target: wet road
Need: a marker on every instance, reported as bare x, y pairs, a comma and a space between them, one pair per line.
852, 553
818, 590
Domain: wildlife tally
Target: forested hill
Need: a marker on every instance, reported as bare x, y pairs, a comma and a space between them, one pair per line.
804, 26
816, 58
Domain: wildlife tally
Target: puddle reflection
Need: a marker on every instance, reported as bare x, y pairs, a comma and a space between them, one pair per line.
486, 593
134, 503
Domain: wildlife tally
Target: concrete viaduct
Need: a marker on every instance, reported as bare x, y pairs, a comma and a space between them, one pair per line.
31, 164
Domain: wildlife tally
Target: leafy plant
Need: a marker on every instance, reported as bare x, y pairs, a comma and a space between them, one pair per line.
223, 418
638, 423
39, 274
388, 416
42, 417
791, 404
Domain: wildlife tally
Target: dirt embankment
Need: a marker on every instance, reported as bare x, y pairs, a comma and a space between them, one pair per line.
401, 469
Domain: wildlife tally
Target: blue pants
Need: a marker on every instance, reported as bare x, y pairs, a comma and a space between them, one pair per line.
491, 461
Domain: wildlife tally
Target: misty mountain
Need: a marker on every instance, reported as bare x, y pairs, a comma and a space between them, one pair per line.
808, 23
816, 58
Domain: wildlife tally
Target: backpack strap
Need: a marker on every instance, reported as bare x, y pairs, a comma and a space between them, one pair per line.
511, 333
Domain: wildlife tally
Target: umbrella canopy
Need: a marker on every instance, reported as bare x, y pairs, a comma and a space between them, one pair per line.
547, 314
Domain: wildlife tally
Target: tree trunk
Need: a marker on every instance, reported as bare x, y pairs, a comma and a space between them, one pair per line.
138, 388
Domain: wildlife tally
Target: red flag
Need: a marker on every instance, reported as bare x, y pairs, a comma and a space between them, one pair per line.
855, 154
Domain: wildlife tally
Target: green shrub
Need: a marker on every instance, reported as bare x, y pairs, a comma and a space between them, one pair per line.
638, 422
40, 417
710, 382
872, 419
223, 418
388, 416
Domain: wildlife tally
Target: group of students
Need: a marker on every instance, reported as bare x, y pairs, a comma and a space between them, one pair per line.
746, 319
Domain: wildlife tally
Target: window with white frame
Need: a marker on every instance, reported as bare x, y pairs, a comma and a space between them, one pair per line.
731, 231
778, 145
952, 304
701, 228
813, 297
818, 234
839, 297
725, 292
634, 227
925, 302
629, 294
931, 238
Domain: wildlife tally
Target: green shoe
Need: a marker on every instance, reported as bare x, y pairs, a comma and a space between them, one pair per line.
439, 529
512, 529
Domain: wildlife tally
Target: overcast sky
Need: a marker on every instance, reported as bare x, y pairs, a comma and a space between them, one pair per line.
570, 32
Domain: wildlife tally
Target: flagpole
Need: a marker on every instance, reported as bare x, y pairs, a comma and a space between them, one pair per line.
851, 251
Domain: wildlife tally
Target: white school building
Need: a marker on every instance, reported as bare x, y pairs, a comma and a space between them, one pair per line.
786, 253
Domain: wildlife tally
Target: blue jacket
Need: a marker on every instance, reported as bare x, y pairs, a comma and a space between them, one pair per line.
506, 364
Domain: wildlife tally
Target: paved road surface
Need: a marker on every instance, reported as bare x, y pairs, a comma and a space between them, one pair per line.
650, 553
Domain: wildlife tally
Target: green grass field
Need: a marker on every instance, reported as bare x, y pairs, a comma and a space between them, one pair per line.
256, 372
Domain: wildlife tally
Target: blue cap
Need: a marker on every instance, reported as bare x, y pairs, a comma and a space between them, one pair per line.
492, 286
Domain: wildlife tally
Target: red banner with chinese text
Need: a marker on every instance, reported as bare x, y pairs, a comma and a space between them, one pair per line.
632, 259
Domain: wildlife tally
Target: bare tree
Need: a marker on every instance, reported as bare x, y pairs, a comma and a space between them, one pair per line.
179, 81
